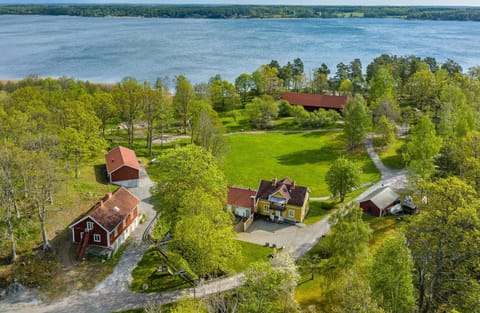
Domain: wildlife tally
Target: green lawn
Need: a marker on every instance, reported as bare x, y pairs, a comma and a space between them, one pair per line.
318, 210
143, 274
391, 156
251, 253
304, 157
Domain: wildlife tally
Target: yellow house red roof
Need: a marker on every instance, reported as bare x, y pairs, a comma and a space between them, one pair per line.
119, 157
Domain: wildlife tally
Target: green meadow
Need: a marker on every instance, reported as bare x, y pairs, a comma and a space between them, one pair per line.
304, 157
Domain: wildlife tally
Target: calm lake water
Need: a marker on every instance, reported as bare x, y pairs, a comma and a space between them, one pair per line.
108, 49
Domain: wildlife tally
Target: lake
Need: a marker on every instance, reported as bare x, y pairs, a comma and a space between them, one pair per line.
108, 49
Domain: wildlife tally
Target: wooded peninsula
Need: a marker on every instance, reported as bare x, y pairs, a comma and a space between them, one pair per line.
247, 11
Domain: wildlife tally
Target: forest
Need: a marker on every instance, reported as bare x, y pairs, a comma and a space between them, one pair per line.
247, 11
55, 132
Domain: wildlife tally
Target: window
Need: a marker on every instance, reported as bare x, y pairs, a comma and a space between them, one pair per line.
265, 208
291, 213
89, 225
97, 238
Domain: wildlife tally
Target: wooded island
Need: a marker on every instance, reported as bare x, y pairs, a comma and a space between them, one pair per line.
247, 11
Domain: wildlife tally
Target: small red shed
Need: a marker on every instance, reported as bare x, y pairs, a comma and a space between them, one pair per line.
122, 167
108, 223
316, 101
379, 201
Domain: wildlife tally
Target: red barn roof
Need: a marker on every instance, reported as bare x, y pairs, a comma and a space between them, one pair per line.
119, 157
240, 196
112, 209
315, 100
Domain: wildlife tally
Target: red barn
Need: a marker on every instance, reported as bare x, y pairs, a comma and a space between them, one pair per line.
379, 201
108, 223
122, 167
315, 101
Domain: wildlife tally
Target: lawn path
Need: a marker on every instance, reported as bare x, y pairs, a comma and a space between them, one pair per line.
113, 293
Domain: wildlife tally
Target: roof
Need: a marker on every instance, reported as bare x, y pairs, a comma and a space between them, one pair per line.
113, 208
119, 157
382, 197
294, 194
240, 197
316, 100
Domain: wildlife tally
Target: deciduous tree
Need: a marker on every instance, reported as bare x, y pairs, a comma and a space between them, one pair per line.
342, 177
262, 111
445, 243
128, 96
358, 121
270, 286
187, 168
391, 276
182, 101
422, 147
349, 238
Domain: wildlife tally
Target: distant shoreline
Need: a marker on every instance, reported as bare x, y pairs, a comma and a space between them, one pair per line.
245, 11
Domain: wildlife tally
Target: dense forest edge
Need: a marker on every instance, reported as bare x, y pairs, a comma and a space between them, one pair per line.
247, 11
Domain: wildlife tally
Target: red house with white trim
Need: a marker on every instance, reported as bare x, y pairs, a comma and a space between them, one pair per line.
122, 167
108, 223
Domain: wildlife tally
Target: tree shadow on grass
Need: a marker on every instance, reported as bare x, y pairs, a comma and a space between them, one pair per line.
100, 173
311, 156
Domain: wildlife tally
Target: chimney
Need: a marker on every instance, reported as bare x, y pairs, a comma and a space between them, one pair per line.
293, 185
101, 203
252, 203
108, 195
274, 181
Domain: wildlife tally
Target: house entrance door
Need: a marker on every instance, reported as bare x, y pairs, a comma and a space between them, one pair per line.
278, 214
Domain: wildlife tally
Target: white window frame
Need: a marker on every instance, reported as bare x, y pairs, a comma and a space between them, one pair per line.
291, 213
266, 208
115, 232
97, 237
89, 225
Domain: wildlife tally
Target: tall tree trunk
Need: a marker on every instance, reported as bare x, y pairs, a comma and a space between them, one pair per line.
15, 203
42, 214
13, 253
150, 138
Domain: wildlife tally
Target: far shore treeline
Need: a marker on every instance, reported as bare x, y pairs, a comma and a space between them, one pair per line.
247, 11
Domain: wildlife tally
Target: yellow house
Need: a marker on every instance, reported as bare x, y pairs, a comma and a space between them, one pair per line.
282, 200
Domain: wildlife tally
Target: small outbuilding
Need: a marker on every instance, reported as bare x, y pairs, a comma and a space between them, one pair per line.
241, 201
122, 167
107, 224
313, 102
380, 201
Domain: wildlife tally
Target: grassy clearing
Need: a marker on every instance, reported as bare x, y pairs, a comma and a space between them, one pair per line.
304, 157
250, 253
144, 273
391, 156
318, 210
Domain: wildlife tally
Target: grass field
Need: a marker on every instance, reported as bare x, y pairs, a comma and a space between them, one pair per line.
142, 274
391, 156
304, 157
318, 210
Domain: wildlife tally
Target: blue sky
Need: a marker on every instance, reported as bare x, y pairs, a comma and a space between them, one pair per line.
286, 2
